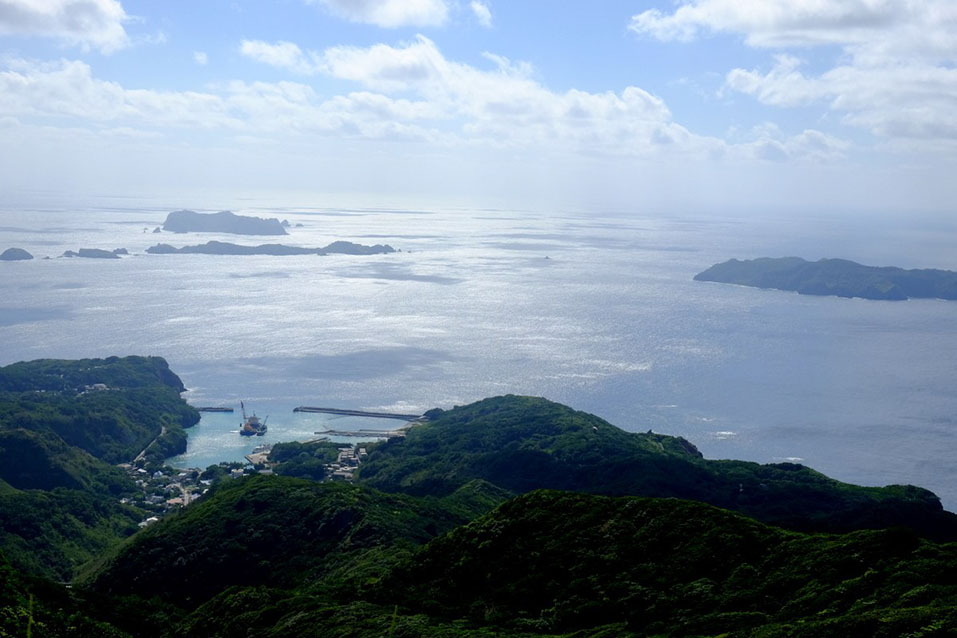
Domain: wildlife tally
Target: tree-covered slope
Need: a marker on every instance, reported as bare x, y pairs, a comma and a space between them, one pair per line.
35, 607
281, 532
111, 408
62, 426
558, 562
526, 443
567, 564
838, 277
62, 375
52, 533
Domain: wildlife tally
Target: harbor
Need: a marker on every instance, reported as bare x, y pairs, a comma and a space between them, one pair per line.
217, 437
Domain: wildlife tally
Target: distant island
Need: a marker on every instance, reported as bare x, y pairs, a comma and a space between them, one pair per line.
226, 248
187, 221
15, 254
96, 253
836, 277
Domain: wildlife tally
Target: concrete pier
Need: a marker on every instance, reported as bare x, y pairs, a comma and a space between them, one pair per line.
343, 412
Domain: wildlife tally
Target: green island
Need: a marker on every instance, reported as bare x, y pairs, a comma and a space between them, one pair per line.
835, 277
511, 517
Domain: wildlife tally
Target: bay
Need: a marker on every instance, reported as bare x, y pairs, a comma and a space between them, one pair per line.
595, 309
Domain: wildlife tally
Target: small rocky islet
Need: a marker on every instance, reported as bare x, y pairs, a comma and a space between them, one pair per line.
15, 254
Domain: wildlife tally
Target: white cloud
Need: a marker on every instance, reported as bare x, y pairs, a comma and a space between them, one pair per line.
67, 92
482, 13
390, 14
284, 55
895, 74
67, 89
784, 85
200, 58
406, 92
502, 106
909, 101
86, 23
767, 142
775, 23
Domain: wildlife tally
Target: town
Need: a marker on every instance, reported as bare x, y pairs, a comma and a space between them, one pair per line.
166, 489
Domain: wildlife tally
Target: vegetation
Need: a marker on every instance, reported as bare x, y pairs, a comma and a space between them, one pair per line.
526, 443
58, 375
37, 607
838, 277
278, 532
446, 533
350, 561
111, 408
304, 460
63, 424
559, 562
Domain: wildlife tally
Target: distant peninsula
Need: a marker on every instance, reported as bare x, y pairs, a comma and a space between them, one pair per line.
15, 254
226, 248
835, 277
187, 221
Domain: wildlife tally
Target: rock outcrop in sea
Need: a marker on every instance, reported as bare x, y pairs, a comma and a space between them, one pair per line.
15, 254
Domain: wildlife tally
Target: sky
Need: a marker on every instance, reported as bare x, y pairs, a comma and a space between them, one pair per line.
651, 106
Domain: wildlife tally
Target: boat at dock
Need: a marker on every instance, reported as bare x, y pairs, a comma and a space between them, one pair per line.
251, 424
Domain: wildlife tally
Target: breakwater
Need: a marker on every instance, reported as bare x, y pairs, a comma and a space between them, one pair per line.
346, 412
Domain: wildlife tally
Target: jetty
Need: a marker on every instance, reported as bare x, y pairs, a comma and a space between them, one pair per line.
213, 409
375, 415
364, 434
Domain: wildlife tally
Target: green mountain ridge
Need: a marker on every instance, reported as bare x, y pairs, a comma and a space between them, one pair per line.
447, 532
558, 561
279, 532
546, 563
527, 443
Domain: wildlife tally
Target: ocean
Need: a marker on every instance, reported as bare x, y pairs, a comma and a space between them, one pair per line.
593, 309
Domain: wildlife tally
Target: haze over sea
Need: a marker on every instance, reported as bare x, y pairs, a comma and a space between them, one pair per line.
594, 309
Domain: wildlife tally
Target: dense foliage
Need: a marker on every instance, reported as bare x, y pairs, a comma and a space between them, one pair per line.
112, 408
546, 564
447, 549
304, 460
280, 532
51, 533
33, 606
526, 443
63, 424
556, 562
838, 277
59, 375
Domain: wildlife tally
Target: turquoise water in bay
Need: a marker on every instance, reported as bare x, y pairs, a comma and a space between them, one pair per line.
596, 309
216, 437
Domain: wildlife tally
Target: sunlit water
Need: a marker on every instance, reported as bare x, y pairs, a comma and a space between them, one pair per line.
598, 311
